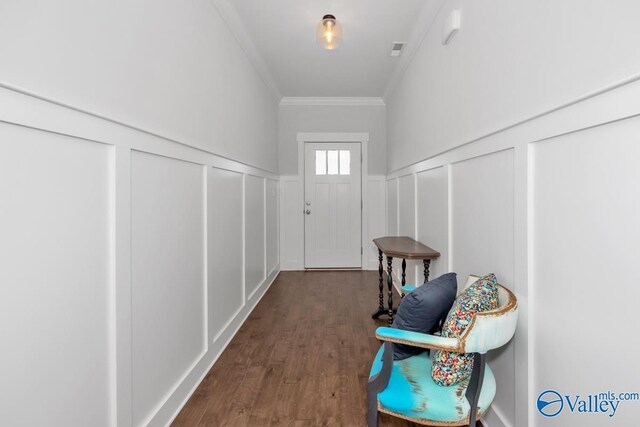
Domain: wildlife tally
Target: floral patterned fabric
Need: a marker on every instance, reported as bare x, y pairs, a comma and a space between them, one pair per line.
450, 368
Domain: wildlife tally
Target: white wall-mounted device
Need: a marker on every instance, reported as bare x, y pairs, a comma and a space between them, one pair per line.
451, 26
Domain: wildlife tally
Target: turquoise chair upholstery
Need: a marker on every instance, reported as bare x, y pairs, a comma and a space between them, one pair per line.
408, 288
405, 389
412, 394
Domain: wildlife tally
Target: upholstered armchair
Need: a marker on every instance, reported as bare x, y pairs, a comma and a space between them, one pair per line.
405, 388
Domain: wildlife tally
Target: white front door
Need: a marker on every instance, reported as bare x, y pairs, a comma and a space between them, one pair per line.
332, 210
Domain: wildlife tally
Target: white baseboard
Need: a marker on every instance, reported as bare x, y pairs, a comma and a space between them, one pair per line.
170, 410
495, 418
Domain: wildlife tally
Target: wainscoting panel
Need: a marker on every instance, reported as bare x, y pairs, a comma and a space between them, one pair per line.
376, 217
482, 214
124, 257
586, 207
407, 203
483, 236
271, 200
547, 204
254, 238
56, 213
465, 210
433, 216
224, 249
291, 226
392, 207
168, 282
407, 221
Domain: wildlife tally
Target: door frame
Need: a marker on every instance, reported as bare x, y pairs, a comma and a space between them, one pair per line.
333, 137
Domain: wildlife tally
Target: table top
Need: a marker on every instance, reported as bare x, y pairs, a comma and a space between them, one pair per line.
404, 247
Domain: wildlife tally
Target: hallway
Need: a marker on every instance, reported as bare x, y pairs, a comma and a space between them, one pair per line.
175, 174
302, 357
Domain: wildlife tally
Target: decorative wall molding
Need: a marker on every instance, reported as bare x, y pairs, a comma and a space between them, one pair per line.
21, 106
616, 103
455, 257
182, 394
25, 108
376, 221
291, 223
41, 120
494, 418
303, 137
230, 16
332, 101
420, 30
604, 110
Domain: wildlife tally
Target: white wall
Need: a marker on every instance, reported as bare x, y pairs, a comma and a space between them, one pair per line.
544, 203
332, 118
292, 201
392, 207
294, 119
168, 67
135, 239
551, 208
292, 221
432, 216
124, 264
585, 217
482, 236
254, 237
168, 292
55, 274
510, 61
376, 221
225, 188
291, 224
407, 224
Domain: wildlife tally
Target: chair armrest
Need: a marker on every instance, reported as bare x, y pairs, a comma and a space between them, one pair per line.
416, 339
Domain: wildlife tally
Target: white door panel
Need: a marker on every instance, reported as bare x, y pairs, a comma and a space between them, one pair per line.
332, 205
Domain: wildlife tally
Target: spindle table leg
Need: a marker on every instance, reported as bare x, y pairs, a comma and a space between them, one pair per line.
426, 263
381, 309
390, 286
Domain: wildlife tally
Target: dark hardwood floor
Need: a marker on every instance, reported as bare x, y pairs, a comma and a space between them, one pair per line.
302, 358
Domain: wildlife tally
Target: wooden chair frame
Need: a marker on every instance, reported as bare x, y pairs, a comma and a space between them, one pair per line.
379, 382
471, 341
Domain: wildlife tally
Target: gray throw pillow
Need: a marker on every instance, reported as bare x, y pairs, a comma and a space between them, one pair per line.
422, 310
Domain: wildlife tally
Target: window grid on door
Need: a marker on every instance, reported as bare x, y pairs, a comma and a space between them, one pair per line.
333, 162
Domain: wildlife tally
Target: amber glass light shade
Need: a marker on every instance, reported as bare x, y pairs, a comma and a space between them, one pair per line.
329, 33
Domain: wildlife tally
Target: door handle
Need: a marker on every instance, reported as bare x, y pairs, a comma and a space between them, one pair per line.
307, 211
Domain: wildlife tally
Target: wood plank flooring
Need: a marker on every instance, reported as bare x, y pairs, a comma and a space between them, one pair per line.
302, 358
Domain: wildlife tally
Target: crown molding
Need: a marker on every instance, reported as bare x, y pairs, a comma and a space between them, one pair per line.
333, 101
230, 16
420, 30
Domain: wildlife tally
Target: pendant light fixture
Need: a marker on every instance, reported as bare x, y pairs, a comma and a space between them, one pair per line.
329, 33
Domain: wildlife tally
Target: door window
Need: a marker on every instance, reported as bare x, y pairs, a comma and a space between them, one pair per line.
333, 162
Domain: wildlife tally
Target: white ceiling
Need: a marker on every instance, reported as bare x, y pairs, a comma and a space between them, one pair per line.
283, 32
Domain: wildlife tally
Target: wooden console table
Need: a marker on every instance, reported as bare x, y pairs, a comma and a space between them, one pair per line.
399, 247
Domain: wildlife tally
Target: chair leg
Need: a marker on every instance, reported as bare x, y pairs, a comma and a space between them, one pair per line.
378, 383
475, 386
372, 408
